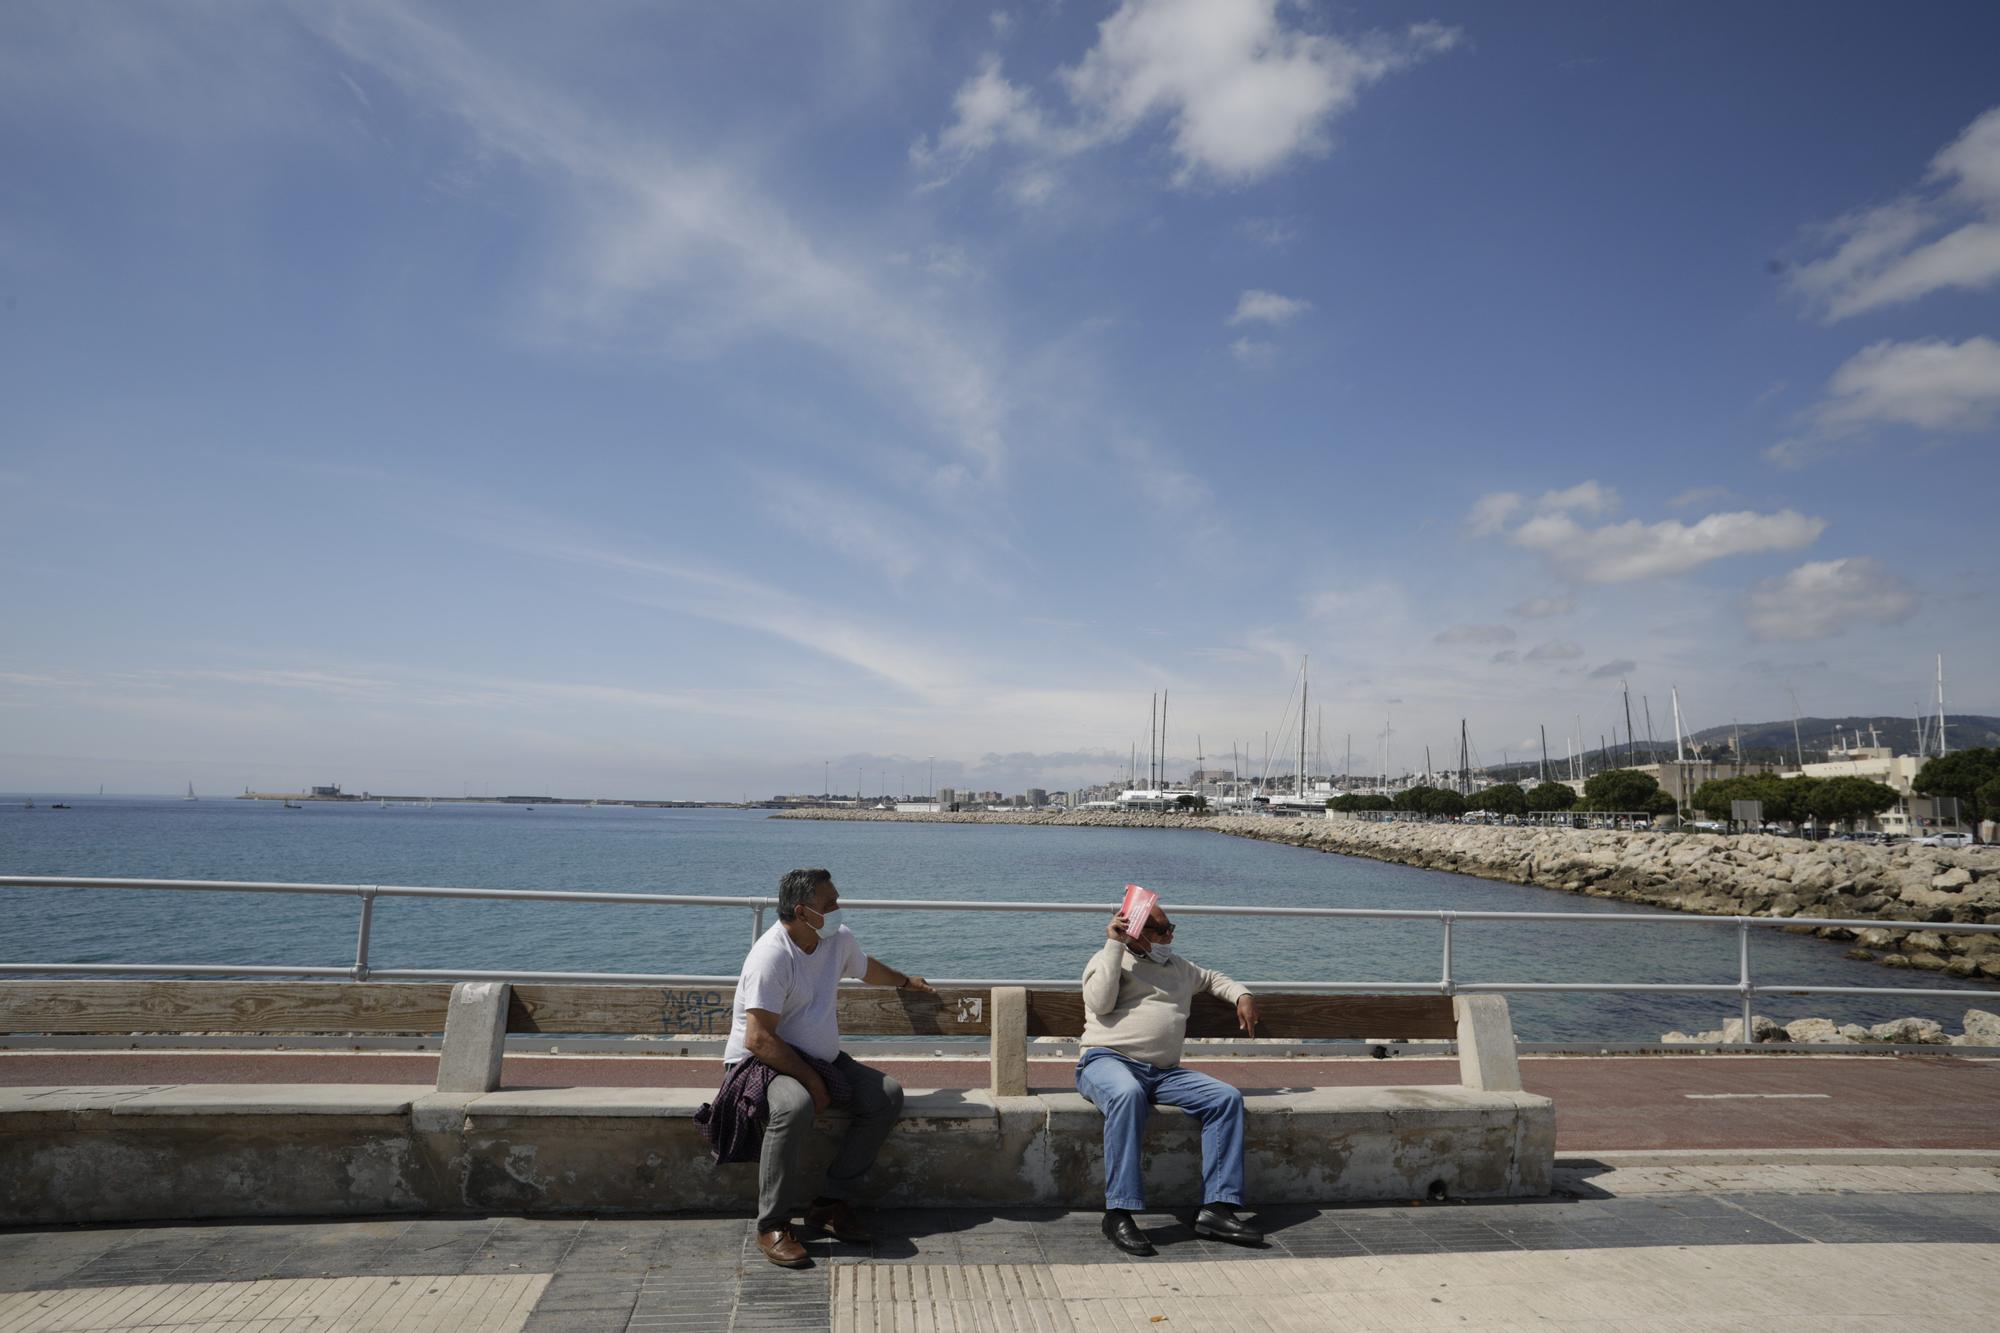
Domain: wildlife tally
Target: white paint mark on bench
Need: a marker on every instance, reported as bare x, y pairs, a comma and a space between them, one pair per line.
971, 1009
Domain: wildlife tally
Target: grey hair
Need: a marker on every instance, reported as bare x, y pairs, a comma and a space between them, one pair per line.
796, 889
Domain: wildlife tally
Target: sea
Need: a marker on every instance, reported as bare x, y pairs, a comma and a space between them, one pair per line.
743, 852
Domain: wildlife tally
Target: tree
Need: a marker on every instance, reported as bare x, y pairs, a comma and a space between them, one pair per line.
1662, 804
1376, 803
1505, 799
1551, 796
1620, 789
1844, 800
1191, 804
1346, 802
1966, 774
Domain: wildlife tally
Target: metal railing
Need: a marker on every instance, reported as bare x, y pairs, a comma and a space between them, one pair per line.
1448, 983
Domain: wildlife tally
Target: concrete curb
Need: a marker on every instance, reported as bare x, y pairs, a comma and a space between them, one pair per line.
1573, 1158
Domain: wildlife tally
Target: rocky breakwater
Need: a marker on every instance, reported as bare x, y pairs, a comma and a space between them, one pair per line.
1915, 894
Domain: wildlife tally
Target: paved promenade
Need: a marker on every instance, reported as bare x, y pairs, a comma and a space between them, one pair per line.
1664, 1247
1602, 1103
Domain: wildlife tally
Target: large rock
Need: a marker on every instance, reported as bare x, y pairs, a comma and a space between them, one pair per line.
1955, 878
1910, 1032
1982, 1028
1815, 1031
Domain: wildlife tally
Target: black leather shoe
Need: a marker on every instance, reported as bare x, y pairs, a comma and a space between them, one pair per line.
1122, 1231
1221, 1222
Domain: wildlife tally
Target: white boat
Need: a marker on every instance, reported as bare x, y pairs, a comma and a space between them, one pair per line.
190, 796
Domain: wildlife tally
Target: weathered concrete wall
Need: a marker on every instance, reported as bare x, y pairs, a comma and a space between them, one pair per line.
1906, 888
117, 1154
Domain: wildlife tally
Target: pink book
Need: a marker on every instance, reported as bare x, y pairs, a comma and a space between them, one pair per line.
1138, 906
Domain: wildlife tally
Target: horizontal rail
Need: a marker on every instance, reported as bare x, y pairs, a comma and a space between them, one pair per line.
969, 905
1744, 988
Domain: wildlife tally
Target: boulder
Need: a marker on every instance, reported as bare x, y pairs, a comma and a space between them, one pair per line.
1860, 955
1854, 1032
1895, 960
1953, 879
1763, 1030
1982, 1028
1815, 1031
1910, 1032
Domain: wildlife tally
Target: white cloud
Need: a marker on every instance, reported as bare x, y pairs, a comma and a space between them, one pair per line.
1881, 256
1625, 552
1251, 352
1927, 385
1623, 666
1540, 608
1701, 495
1267, 308
1586, 497
1491, 513
1823, 597
1242, 93
1477, 634
1555, 650
1932, 385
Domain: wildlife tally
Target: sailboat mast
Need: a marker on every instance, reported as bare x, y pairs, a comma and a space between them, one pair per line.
1680, 746
1545, 753
1304, 685
1627, 690
1943, 749
1152, 742
1161, 785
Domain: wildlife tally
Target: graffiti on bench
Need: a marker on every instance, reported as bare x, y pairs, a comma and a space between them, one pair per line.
695, 1013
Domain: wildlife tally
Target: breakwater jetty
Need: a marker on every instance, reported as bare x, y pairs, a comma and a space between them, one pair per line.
1916, 893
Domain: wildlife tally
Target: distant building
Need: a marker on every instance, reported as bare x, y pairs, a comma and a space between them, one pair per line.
946, 795
1037, 797
331, 793
1202, 775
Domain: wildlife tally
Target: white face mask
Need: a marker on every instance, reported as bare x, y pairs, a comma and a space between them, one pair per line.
1161, 953
828, 923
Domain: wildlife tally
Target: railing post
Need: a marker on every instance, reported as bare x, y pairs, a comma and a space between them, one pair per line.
361, 936
757, 924
1446, 984
1743, 981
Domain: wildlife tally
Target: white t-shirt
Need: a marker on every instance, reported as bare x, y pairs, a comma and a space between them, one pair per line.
781, 978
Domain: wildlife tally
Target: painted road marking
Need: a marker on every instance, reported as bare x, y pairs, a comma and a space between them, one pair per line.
1757, 1096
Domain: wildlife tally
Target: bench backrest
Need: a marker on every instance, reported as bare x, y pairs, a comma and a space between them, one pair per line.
389, 1008
1055, 1013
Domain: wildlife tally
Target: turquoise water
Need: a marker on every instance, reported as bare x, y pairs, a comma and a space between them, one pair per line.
733, 852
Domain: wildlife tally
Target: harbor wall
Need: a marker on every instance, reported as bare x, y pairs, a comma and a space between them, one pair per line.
1916, 893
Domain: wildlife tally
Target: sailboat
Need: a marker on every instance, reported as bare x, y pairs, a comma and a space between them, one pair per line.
190, 796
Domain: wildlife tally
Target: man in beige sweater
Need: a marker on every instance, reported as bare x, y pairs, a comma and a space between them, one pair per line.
1136, 994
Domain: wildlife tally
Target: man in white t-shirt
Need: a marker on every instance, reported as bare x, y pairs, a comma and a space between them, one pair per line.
786, 1017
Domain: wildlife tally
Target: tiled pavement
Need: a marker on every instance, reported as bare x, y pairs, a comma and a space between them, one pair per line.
704, 1273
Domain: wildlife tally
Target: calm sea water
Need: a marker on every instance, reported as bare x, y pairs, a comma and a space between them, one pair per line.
730, 852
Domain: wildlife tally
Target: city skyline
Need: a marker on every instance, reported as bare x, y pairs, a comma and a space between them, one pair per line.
672, 402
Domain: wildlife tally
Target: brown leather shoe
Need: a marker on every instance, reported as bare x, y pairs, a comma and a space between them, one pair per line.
839, 1221
783, 1249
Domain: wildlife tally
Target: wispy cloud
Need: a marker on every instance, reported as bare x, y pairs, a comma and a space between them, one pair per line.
672, 247
1477, 634
1623, 666
1632, 550
1541, 608
1898, 252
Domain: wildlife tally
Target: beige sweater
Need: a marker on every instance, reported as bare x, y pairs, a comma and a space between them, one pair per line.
1139, 1008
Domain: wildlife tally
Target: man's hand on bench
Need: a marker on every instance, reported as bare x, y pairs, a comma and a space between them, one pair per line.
1246, 1015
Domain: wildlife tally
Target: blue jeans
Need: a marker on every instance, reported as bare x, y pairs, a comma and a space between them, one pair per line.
1125, 1090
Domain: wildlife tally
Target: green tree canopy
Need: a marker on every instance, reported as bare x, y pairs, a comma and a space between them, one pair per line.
1620, 789
1551, 796
1844, 800
1966, 774
1505, 799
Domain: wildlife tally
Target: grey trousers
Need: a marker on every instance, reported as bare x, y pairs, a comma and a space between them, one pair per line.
781, 1187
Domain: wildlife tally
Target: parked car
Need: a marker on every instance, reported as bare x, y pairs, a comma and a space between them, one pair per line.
1945, 840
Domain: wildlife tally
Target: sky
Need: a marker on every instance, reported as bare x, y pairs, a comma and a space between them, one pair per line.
697, 401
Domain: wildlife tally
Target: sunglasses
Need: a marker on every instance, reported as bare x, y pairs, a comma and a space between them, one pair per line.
1153, 929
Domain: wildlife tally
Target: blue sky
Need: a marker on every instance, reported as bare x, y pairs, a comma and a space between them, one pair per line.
670, 400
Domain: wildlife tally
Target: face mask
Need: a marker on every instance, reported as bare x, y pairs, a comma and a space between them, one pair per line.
827, 924
1161, 953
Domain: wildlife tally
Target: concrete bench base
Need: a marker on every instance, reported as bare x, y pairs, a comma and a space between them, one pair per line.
209, 1151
